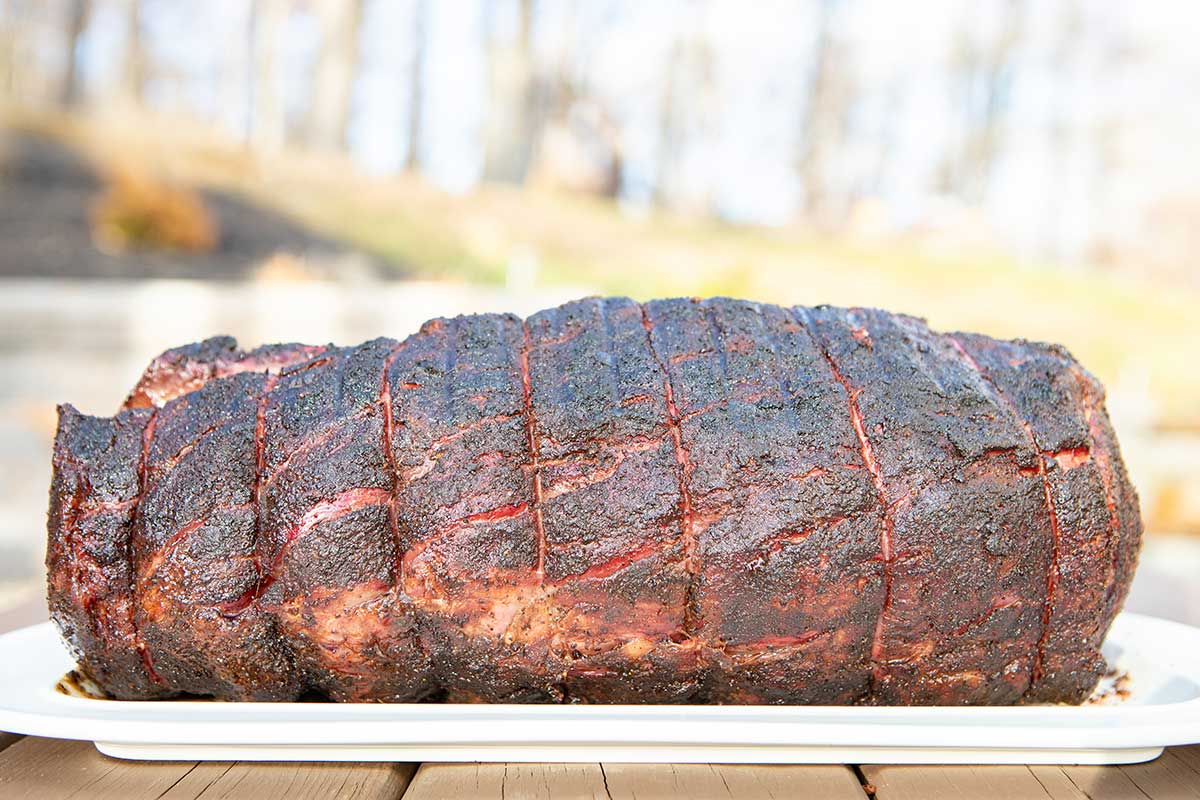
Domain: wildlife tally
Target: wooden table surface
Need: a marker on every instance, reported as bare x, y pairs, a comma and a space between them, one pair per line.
48, 769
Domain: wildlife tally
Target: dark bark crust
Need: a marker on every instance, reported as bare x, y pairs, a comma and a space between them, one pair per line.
709, 501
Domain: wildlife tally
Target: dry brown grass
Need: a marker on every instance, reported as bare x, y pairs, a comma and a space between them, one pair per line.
139, 211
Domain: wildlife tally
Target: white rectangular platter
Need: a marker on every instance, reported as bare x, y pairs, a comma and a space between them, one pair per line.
1162, 708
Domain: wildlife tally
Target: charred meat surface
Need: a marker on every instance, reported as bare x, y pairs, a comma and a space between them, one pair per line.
681, 501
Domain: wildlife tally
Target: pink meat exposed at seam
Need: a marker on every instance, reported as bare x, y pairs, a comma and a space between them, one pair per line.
273, 365
886, 524
139, 643
104, 507
758, 646
1106, 473
614, 565
181, 535
264, 580
1001, 601
458, 433
774, 543
260, 457
885, 537
385, 402
531, 437
1052, 569
344, 503
499, 514
684, 461
310, 444
619, 454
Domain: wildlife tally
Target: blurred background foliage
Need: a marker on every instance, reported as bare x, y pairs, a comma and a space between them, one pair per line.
340, 169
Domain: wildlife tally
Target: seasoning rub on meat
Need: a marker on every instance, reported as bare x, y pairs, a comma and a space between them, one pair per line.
678, 502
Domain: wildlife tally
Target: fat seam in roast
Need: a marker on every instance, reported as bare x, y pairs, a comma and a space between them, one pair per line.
684, 501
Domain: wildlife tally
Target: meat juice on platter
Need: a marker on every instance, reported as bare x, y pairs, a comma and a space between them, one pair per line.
681, 501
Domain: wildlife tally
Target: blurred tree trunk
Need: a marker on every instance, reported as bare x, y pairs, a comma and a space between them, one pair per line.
511, 124
1061, 129
685, 113
71, 90
24, 78
983, 75
827, 101
416, 86
337, 66
133, 64
235, 93
1108, 133
268, 123
670, 134
575, 143
10, 26
887, 144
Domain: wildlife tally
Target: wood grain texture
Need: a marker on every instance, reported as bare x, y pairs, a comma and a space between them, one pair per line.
627, 781
509, 781
293, 781
48, 769
723, 781
777, 781
923, 782
1103, 783
1057, 783
8, 738
1174, 776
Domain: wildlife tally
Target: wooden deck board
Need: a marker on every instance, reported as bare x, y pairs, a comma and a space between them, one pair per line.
749, 781
781, 780
48, 769
574, 781
1174, 776
1103, 783
32, 767
931, 782
296, 780
628, 781
1057, 783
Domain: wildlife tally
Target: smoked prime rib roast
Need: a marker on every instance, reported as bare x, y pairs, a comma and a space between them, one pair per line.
683, 501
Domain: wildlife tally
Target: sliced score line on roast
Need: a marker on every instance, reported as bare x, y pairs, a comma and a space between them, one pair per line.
385, 404
868, 456
1106, 472
1052, 570
142, 487
683, 459
531, 436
